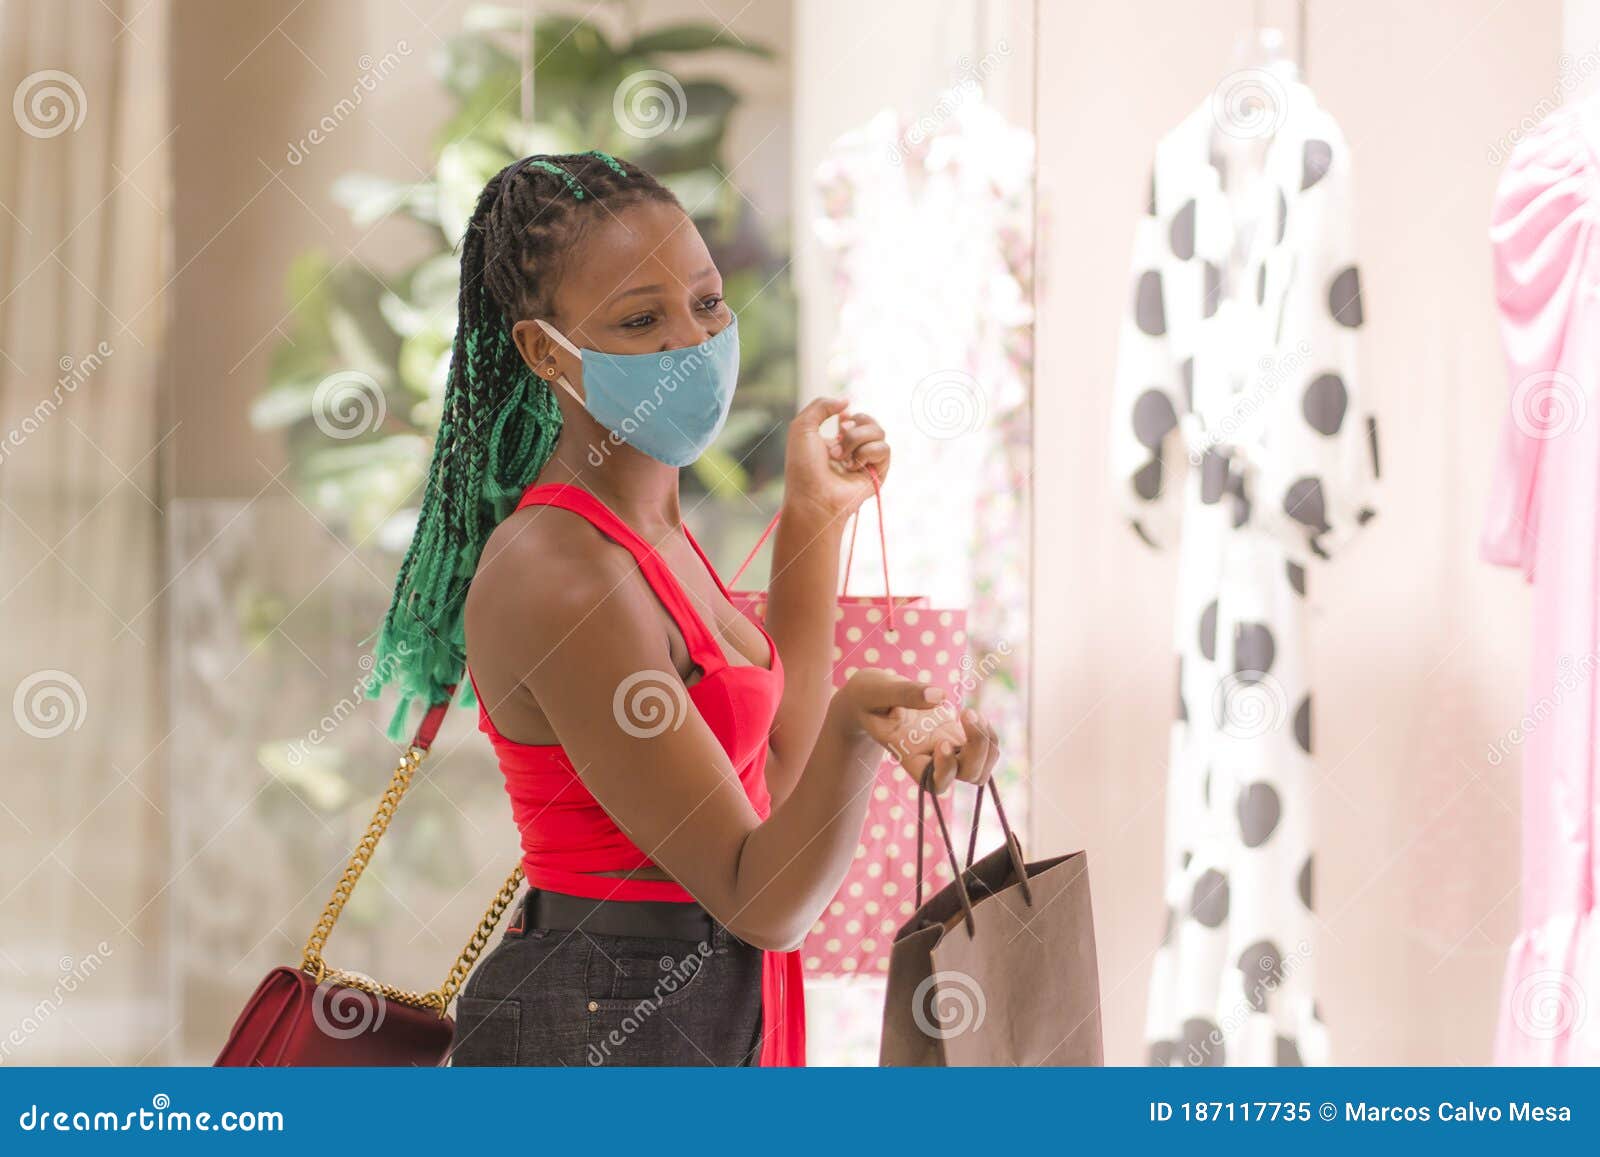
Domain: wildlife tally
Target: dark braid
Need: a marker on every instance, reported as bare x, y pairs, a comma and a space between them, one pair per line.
500, 420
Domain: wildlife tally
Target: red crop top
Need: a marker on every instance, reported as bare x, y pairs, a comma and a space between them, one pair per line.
567, 836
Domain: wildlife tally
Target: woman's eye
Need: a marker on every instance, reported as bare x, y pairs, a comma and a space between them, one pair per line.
711, 302
639, 322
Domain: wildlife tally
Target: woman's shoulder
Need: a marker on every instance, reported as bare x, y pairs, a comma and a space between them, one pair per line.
553, 560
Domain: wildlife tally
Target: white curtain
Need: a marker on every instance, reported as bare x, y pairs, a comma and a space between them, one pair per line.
83, 265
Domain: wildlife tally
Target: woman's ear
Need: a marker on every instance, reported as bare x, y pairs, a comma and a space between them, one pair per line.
540, 347
535, 347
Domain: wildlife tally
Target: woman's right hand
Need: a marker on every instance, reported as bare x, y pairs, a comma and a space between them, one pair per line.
912, 721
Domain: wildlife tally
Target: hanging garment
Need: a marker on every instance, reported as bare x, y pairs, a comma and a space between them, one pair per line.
1239, 434
1544, 517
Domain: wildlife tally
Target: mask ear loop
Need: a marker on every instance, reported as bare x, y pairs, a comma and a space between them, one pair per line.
556, 336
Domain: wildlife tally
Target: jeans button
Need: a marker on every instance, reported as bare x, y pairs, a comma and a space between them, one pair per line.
594, 1006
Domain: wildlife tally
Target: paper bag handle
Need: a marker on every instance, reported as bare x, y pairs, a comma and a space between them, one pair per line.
925, 792
855, 519
1019, 866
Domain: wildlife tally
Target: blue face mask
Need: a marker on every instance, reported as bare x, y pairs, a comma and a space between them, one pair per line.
669, 405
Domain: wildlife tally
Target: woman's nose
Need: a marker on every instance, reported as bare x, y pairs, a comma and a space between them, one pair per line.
690, 330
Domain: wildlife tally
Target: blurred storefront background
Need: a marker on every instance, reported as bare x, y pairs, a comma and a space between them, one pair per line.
228, 253
226, 292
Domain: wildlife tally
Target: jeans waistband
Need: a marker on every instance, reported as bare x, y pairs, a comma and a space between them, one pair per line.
666, 919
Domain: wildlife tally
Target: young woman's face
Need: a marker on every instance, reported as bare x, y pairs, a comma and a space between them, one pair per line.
637, 281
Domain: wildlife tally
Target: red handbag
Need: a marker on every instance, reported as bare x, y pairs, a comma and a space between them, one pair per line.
313, 1015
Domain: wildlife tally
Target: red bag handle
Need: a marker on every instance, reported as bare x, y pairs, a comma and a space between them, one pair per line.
883, 546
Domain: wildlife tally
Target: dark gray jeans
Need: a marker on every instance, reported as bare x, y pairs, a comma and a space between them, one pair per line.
548, 997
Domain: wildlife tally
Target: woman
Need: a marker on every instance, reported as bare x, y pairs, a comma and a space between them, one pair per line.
688, 801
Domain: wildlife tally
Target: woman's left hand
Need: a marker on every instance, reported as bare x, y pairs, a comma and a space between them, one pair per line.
830, 475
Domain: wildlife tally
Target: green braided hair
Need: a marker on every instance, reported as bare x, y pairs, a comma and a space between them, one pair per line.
500, 420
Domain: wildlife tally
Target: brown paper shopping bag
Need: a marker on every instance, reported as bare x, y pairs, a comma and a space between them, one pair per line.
999, 967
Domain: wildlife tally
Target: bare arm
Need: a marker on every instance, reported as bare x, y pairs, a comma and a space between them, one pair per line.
823, 487
800, 608
585, 627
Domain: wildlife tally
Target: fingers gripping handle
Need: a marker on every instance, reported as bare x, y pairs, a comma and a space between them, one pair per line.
883, 546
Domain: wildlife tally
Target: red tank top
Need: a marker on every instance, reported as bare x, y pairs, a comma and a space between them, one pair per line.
567, 836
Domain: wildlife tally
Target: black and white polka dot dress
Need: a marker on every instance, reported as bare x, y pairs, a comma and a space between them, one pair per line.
1240, 437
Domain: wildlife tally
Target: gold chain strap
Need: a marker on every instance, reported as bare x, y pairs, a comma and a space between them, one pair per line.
439, 998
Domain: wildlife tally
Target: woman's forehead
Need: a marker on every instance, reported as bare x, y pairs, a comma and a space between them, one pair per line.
646, 244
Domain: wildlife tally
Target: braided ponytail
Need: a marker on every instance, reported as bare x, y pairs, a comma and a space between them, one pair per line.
500, 420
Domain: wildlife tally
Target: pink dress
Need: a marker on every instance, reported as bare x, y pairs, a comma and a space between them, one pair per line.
1544, 516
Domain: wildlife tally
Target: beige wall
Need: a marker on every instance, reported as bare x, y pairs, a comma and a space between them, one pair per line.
1418, 647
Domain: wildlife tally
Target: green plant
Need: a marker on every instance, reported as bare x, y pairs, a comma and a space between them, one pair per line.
390, 334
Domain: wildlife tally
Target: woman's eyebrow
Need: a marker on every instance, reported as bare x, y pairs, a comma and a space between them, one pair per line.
653, 288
